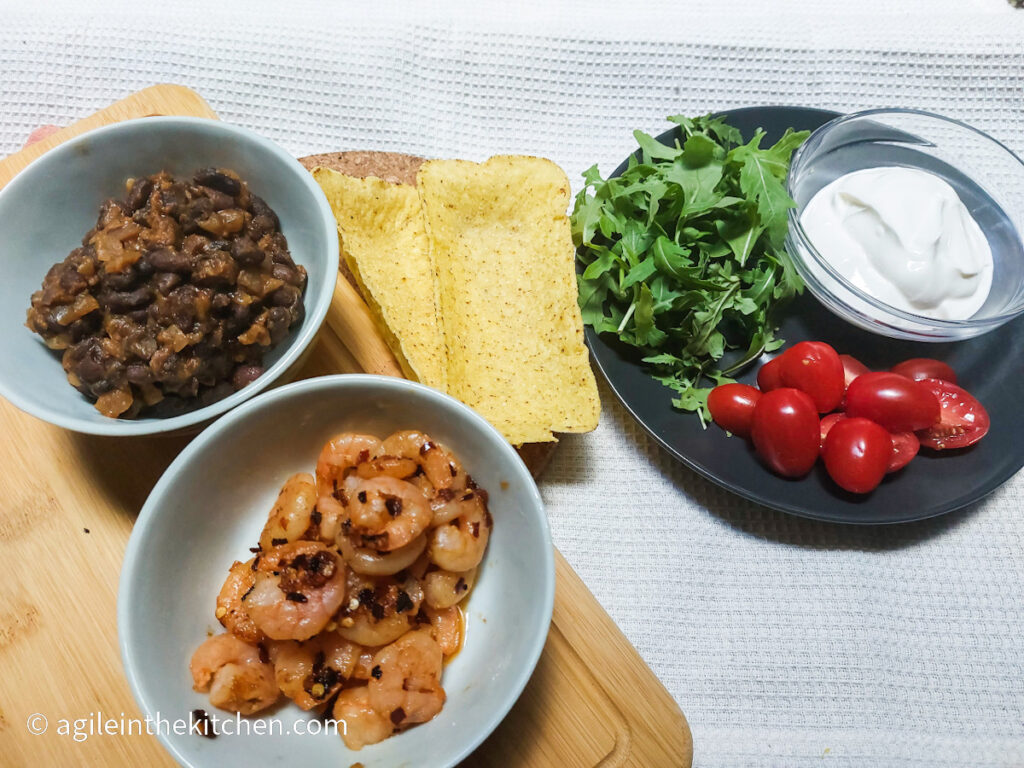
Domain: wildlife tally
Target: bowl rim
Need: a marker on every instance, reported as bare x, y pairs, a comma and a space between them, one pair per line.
317, 300
131, 563
797, 234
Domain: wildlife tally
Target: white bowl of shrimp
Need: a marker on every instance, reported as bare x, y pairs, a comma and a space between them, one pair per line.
346, 569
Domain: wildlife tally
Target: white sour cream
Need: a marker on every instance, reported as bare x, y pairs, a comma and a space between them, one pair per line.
903, 236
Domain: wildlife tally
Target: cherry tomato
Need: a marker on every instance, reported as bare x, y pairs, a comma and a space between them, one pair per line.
732, 407
905, 446
895, 402
918, 368
827, 422
769, 376
785, 431
852, 368
963, 420
815, 368
857, 454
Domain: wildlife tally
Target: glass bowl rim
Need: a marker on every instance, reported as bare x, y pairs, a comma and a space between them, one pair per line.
797, 233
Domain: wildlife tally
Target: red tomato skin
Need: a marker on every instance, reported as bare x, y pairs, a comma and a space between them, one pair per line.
905, 446
852, 368
827, 422
732, 407
815, 368
918, 368
857, 454
963, 421
769, 376
895, 402
786, 431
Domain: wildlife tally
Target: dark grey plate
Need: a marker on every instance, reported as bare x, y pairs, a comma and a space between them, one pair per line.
991, 367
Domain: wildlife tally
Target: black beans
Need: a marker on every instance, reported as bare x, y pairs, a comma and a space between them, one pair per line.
246, 374
169, 260
188, 320
246, 252
125, 301
139, 195
197, 211
218, 180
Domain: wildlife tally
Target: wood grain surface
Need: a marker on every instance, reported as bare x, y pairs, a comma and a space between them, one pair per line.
69, 503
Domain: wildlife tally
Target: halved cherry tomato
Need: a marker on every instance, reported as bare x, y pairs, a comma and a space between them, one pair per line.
905, 446
827, 422
815, 368
918, 368
732, 407
895, 402
857, 453
769, 376
963, 420
852, 368
785, 431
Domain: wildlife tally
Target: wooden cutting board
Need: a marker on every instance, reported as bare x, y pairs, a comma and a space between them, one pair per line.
69, 503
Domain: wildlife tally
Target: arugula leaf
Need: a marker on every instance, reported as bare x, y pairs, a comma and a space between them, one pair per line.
682, 255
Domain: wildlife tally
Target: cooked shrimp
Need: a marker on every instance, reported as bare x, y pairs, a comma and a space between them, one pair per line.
447, 505
460, 544
233, 673
443, 589
378, 611
310, 672
440, 466
231, 612
363, 724
386, 514
293, 512
364, 664
374, 563
446, 628
390, 466
298, 588
340, 456
405, 684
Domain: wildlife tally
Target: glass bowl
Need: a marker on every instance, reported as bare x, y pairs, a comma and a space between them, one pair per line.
987, 176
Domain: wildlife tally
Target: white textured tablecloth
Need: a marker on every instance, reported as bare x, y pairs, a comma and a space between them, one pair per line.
786, 642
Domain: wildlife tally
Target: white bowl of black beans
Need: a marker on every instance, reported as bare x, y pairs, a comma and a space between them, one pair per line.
159, 272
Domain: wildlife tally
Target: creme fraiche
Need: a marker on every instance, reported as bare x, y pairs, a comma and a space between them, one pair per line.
903, 236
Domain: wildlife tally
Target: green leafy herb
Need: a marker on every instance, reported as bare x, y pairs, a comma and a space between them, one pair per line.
683, 254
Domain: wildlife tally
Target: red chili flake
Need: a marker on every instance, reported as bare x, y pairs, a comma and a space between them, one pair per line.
255, 562
470, 482
278, 542
452, 469
376, 673
202, 724
397, 716
315, 517
475, 528
256, 550
264, 656
404, 602
366, 596
394, 506
296, 597
445, 494
362, 497
426, 448
250, 589
364, 456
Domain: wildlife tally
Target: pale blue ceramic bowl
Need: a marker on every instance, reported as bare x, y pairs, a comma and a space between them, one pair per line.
209, 508
48, 207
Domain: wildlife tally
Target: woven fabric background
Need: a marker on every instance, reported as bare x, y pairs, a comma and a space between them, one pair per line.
786, 642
